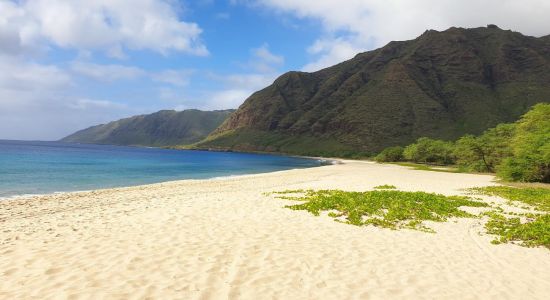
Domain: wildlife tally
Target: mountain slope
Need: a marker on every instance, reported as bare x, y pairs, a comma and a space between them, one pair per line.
440, 85
163, 128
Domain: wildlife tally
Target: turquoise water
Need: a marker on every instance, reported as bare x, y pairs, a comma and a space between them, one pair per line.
47, 167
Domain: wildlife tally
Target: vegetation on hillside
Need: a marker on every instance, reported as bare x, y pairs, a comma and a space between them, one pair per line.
163, 128
254, 140
441, 85
517, 152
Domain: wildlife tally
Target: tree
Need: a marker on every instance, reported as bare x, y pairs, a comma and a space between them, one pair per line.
391, 154
427, 150
530, 147
486, 152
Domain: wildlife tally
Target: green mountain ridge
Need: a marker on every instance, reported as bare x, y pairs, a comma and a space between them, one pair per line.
163, 128
439, 85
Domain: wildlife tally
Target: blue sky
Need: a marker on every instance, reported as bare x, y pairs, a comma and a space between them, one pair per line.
70, 64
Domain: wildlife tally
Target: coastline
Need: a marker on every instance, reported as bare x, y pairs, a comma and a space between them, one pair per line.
225, 237
331, 161
8, 192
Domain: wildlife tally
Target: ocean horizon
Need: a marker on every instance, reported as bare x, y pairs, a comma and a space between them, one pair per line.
41, 167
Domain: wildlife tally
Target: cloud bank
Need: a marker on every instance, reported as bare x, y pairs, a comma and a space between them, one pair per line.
42, 100
107, 25
356, 25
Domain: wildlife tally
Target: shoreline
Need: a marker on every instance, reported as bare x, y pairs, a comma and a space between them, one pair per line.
332, 161
227, 238
322, 161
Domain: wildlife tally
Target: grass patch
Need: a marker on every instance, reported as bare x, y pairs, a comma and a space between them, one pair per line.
535, 232
424, 167
388, 209
385, 187
539, 198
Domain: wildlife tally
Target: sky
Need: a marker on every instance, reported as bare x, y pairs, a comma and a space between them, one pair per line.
69, 64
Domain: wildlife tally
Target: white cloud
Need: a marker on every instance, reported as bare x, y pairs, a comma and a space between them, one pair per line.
222, 16
17, 32
226, 99
264, 61
48, 100
87, 104
29, 78
238, 87
38, 102
106, 73
259, 71
115, 72
356, 25
107, 25
331, 51
178, 78
43, 102
249, 81
265, 55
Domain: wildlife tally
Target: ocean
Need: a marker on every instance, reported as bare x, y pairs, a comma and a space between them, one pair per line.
47, 167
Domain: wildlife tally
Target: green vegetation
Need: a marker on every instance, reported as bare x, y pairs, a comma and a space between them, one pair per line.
426, 87
398, 209
536, 232
486, 152
424, 167
517, 152
535, 228
530, 159
388, 209
385, 187
160, 129
431, 151
391, 154
260, 141
539, 198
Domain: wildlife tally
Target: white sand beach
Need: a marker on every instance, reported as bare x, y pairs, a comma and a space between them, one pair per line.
226, 239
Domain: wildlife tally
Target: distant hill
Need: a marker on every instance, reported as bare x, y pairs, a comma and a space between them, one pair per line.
439, 85
163, 128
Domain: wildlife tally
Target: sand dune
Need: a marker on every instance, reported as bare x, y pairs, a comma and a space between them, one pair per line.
225, 239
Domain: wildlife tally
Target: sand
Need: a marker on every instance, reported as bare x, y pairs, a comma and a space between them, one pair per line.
225, 239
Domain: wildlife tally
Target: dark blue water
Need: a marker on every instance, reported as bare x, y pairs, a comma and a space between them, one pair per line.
46, 167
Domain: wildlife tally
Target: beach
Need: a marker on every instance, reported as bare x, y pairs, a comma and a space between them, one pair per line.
228, 238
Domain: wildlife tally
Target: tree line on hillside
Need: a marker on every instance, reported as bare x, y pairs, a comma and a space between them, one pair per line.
518, 151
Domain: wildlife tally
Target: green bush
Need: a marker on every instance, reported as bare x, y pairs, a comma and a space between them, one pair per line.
386, 208
385, 187
539, 198
530, 234
486, 152
530, 160
392, 154
534, 230
427, 150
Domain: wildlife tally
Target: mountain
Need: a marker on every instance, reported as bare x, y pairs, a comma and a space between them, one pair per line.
163, 128
439, 85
